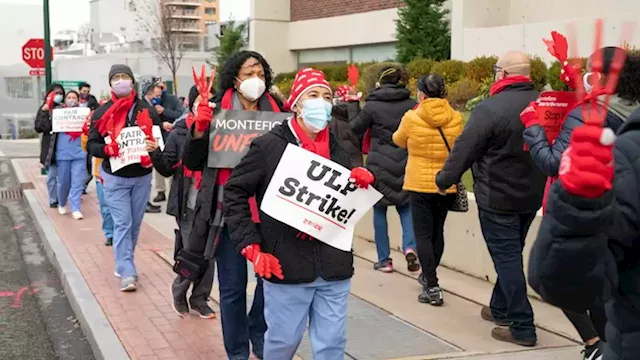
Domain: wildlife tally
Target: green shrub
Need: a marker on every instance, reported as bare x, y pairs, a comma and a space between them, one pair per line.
481, 68
412, 85
369, 75
419, 67
553, 75
285, 87
450, 70
284, 77
335, 72
485, 87
27, 133
538, 72
461, 91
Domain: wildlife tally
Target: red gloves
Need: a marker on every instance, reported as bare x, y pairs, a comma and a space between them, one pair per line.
264, 264
361, 177
204, 116
112, 149
529, 116
146, 125
586, 168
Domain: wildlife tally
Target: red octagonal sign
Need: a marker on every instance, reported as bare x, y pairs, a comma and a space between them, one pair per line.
33, 53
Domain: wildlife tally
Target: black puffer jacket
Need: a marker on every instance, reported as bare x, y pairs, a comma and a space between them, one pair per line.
384, 108
302, 261
168, 163
589, 249
340, 127
547, 156
505, 178
44, 126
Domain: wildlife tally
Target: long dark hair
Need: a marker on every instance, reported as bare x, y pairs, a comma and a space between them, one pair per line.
230, 69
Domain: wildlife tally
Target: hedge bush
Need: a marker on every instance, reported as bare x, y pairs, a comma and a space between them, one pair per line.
538, 72
450, 70
419, 67
481, 68
461, 91
369, 75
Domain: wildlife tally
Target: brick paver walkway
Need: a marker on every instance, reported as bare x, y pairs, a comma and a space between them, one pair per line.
144, 320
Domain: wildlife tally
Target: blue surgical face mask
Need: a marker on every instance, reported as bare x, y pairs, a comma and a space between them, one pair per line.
316, 114
156, 101
58, 98
164, 92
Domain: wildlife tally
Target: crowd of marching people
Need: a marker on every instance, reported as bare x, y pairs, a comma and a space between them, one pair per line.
586, 259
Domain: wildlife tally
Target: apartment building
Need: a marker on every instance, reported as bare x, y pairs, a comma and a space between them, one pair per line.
192, 16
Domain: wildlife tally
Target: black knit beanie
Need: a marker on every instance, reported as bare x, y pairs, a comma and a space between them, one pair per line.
120, 69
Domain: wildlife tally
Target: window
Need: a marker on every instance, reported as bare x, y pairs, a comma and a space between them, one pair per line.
20, 88
211, 1
210, 11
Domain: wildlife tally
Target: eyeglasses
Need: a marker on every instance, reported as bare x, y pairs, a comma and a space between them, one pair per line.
497, 69
122, 76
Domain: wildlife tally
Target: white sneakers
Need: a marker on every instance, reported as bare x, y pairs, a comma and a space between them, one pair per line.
76, 214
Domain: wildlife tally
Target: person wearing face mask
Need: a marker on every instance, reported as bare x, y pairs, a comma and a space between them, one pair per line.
181, 204
43, 125
90, 101
126, 191
428, 132
381, 114
71, 162
305, 280
243, 81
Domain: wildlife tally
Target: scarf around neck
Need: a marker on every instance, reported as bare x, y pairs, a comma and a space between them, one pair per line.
499, 86
74, 135
115, 118
319, 146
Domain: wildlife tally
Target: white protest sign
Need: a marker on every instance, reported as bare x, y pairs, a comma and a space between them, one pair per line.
314, 195
157, 135
131, 141
69, 119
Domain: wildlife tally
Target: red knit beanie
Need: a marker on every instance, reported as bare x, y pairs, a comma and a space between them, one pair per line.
305, 79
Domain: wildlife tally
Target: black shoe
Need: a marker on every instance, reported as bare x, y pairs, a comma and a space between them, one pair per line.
160, 197
84, 192
108, 242
594, 352
204, 311
153, 209
181, 308
432, 296
54, 205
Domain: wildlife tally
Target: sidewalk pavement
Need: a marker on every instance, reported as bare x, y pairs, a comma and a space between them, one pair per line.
148, 328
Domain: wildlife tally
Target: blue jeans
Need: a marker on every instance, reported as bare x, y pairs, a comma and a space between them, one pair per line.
238, 328
71, 177
52, 183
126, 199
288, 308
505, 236
107, 220
381, 230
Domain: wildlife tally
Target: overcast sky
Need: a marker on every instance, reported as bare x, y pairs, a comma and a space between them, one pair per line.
70, 14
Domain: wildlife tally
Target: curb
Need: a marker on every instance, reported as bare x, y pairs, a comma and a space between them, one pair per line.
95, 325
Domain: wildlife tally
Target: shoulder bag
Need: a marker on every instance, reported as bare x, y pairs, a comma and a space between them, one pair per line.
461, 202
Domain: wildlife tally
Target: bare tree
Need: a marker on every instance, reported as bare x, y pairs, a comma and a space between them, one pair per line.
84, 36
159, 23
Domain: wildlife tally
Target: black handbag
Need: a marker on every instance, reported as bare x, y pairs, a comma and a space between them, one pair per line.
461, 201
187, 264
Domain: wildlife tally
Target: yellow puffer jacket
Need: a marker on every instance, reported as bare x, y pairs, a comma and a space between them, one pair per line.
418, 133
95, 162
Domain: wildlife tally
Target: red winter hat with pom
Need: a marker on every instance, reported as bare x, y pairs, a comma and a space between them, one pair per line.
305, 79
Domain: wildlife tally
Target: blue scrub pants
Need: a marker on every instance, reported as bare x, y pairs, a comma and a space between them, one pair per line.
71, 177
126, 199
52, 183
107, 220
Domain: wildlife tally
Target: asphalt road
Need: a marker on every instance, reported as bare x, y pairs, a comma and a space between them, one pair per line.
36, 320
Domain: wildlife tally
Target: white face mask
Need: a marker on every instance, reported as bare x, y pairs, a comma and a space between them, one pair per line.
252, 88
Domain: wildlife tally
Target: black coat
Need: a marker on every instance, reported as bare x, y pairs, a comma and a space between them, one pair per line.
340, 127
95, 142
505, 178
167, 163
302, 261
173, 110
384, 108
43, 125
589, 249
546, 156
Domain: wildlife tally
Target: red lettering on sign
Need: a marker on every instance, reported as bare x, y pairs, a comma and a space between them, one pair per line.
233, 142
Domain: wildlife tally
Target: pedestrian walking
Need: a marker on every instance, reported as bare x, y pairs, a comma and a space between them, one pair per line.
127, 190
428, 132
383, 109
43, 125
508, 188
346, 105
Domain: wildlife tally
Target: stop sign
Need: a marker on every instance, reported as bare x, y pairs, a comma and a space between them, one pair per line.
33, 53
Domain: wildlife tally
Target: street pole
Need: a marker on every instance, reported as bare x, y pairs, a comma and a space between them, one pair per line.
47, 45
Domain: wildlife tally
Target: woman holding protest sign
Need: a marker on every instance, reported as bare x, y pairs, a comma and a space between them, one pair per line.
428, 132
118, 134
43, 125
384, 107
71, 162
305, 279
243, 83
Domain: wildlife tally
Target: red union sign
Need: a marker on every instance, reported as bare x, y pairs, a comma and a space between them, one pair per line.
33, 53
37, 72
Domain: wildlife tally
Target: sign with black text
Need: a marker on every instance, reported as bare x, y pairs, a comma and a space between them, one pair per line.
233, 131
69, 119
314, 195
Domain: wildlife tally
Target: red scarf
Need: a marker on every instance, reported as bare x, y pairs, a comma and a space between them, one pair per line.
115, 118
196, 176
318, 146
73, 134
497, 87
